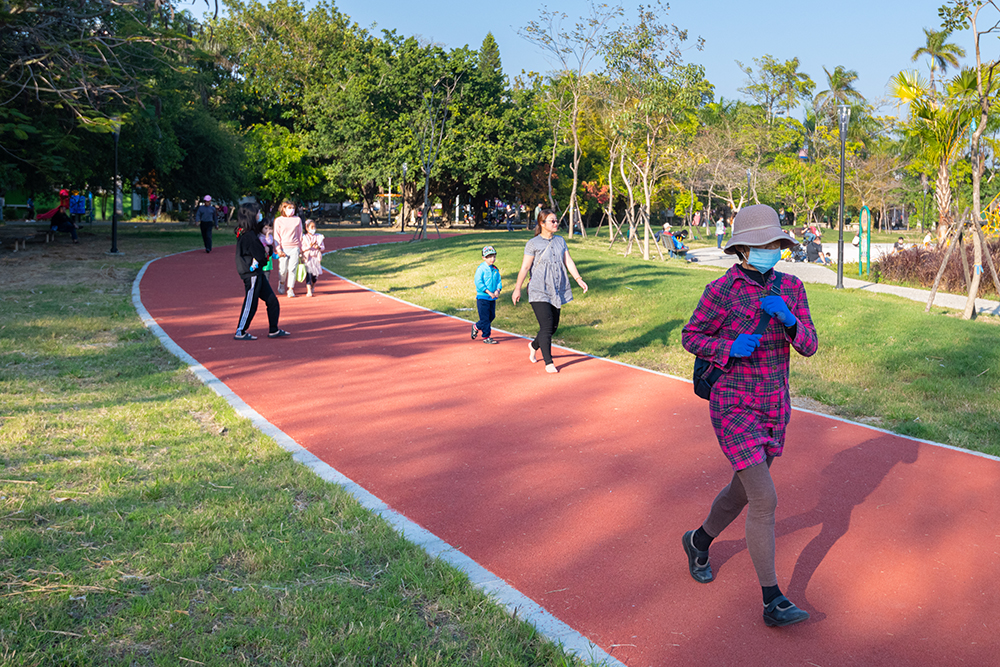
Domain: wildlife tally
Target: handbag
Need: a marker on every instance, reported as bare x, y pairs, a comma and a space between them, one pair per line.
300, 272
706, 374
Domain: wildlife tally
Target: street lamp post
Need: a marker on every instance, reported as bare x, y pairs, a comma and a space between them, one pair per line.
844, 115
114, 208
402, 193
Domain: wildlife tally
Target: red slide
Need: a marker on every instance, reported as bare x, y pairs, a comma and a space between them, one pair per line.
575, 488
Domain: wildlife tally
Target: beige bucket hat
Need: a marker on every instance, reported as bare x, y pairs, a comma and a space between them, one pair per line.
756, 226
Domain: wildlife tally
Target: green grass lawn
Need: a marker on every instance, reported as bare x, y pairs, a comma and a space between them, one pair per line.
142, 522
881, 358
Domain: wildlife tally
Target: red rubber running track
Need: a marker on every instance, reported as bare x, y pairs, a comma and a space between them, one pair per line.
575, 488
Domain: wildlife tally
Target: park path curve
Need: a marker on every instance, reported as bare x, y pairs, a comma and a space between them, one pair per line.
575, 488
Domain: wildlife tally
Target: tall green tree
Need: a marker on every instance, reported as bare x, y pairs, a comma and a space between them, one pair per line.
657, 97
939, 122
573, 49
777, 86
840, 90
965, 13
941, 53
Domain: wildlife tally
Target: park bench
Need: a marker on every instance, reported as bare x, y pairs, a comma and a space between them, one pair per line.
21, 235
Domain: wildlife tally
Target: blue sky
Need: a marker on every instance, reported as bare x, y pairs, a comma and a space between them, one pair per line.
874, 37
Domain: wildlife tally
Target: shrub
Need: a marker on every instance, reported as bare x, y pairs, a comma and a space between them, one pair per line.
919, 266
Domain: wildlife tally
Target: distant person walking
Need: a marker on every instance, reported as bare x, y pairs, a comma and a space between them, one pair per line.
720, 231
288, 241
749, 404
207, 219
250, 260
548, 259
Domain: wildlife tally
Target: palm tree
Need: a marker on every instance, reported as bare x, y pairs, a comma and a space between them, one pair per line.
840, 90
939, 122
941, 53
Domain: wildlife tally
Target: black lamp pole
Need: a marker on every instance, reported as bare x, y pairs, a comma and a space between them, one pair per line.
114, 208
844, 115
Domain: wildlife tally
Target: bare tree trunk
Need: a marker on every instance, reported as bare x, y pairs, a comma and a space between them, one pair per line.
574, 206
552, 162
937, 278
942, 196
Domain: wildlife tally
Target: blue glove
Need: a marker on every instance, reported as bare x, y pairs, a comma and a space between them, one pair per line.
776, 307
744, 345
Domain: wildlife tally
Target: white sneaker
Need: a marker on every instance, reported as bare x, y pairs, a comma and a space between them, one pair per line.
531, 353
281, 288
291, 294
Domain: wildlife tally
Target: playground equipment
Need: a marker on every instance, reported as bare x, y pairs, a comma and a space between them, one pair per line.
991, 218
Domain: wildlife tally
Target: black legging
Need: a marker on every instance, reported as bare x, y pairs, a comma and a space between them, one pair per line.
258, 287
548, 321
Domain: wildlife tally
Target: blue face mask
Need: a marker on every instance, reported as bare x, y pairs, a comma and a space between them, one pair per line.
260, 216
763, 260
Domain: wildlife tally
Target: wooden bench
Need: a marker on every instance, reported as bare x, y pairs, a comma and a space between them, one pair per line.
21, 236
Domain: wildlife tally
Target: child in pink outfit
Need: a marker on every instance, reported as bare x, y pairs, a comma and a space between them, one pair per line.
312, 254
288, 243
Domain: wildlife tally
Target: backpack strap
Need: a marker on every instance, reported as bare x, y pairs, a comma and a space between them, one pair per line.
765, 319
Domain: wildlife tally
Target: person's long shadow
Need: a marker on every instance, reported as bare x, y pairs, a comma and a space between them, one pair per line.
845, 483
851, 477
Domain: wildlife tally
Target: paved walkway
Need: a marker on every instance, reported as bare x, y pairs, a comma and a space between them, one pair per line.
813, 273
575, 488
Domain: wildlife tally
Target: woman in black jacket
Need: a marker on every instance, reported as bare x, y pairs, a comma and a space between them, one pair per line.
250, 259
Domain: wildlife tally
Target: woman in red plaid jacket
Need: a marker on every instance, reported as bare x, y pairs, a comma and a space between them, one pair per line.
750, 405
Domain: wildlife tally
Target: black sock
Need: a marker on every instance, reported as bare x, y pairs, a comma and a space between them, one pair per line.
701, 540
770, 593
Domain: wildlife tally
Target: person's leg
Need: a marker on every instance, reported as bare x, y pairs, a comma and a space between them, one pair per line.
725, 508
282, 273
493, 314
271, 302
253, 287
293, 263
762, 500
206, 235
548, 319
483, 324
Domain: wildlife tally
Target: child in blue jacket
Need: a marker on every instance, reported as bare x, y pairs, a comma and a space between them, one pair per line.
488, 287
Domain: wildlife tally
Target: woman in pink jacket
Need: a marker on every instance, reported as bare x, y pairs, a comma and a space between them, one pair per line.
750, 404
288, 243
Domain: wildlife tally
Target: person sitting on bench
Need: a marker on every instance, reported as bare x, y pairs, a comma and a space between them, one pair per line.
61, 223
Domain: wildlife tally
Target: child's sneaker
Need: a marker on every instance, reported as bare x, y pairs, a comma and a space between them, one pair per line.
475, 332
489, 340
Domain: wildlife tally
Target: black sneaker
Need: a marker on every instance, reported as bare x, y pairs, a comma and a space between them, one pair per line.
280, 333
781, 612
698, 565
244, 336
475, 332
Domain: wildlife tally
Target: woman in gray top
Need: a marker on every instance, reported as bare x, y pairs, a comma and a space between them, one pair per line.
547, 257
